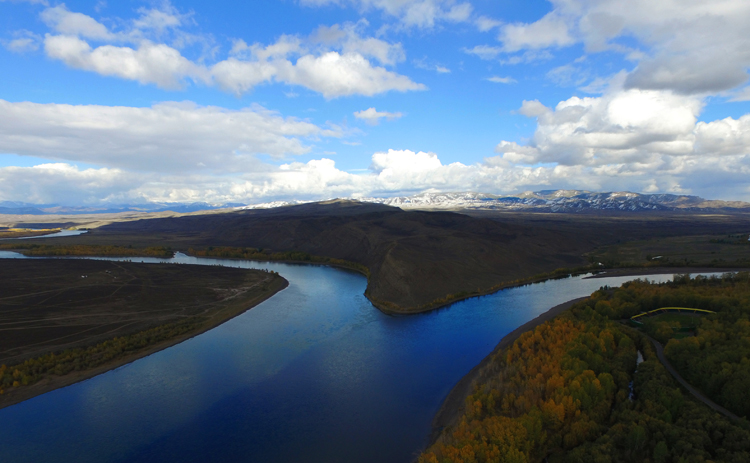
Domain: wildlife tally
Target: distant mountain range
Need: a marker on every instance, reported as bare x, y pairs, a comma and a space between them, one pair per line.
14, 207
568, 201
564, 201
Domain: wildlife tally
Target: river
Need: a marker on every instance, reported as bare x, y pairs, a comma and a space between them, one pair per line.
314, 374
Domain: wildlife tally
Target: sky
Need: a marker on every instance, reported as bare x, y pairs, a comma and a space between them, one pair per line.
130, 102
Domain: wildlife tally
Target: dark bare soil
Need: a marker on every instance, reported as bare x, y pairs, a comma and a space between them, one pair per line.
52, 304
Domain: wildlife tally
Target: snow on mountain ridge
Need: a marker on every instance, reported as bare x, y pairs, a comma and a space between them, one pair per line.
557, 201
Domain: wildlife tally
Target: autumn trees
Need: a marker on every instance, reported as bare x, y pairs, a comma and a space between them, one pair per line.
562, 391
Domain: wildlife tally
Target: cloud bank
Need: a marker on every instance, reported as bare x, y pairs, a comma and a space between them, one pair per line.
167, 137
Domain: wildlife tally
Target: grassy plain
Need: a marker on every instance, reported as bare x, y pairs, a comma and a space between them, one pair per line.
68, 306
706, 249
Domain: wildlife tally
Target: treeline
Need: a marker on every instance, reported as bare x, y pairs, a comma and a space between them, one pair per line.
561, 392
264, 255
717, 359
86, 358
45, 250
665, 261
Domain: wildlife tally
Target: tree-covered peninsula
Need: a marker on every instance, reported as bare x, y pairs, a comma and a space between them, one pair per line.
572, 389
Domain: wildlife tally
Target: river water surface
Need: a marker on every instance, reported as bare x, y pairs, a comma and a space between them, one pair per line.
314, 374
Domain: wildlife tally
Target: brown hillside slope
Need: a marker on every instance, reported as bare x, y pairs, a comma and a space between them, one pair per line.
414, 257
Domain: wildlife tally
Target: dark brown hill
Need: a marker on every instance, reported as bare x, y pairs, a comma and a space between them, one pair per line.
415, 257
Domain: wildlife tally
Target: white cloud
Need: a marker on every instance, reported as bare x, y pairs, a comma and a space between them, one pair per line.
167, 137
639, 140
24, 42
334, 75
391, 172
373, 116
528, 56
550, 31
723, 137
286, 45
411, 13
64, 184
533, 109
695, 73
485, 24
689, 47
333, 61
161, 19
484, 52
348, 38
742, 95
502, 80
568, 75
148, 64
22, 45
41, 2
66, 22
241, 76
624, 126
431, 66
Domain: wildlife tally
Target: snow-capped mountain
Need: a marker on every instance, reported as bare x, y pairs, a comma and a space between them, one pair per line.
530, 201
272, 205
560, 201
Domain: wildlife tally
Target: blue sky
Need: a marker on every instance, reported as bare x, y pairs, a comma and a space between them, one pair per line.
123, 102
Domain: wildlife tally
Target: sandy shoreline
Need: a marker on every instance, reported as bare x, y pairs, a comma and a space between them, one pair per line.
49, 384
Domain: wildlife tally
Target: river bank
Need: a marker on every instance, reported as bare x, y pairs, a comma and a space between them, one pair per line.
234, 306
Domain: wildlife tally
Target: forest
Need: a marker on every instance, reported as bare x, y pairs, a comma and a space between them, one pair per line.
563, 391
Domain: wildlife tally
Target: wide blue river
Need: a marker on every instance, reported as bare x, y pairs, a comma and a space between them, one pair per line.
314, 374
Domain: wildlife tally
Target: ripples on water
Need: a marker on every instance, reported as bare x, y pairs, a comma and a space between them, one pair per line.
314, 374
